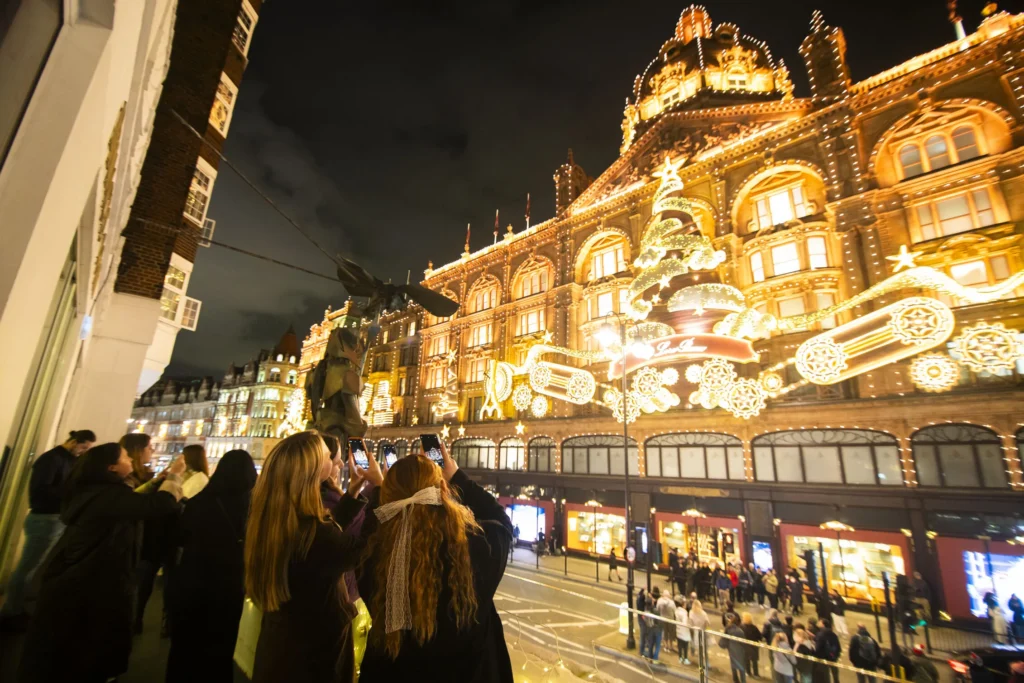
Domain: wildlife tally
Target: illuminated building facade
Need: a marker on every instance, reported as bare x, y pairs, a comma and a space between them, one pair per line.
829, 240
176, 413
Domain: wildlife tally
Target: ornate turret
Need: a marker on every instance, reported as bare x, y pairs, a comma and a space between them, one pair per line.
570, 182
824, 53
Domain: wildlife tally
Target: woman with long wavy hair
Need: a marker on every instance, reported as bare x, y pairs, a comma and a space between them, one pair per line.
140, 449
295, 556
435, 556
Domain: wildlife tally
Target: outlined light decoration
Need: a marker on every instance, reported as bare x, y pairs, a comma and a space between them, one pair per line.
383, 414
988, 347
934, 372
744, 398
521, 397
539, 406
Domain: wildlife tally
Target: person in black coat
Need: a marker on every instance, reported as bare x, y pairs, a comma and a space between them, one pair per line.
826, 646
456, 556
208, 587
295, 557
82, 628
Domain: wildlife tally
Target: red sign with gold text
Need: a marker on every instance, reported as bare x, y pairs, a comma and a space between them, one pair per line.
683, 347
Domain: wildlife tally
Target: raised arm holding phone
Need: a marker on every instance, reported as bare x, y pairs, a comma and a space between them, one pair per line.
437, 546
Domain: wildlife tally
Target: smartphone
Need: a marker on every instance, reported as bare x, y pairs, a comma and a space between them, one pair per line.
390, 456
432, 448
358, 449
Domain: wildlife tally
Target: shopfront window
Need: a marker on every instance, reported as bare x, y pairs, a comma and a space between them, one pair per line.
695, 536
594, 531
695, 456
854, 568
828, 456
511, 455
529, 518
959, 455
598, 454
474, 453
542, 455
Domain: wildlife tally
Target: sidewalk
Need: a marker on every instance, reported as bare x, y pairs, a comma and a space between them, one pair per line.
595, 573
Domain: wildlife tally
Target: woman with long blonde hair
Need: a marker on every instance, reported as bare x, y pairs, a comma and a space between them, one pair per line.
295, 556
436, 551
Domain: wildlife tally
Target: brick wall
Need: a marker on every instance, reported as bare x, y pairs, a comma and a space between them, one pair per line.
201, 50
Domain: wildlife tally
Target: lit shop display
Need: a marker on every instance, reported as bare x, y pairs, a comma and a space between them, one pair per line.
596, 532
854, 568
1002, 575
529, 518
711, 543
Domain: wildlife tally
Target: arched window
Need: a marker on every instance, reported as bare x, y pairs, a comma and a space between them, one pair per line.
542, 454
292, 377
695, 456
401, 448
965, 143
607, 257
474, 453
275, 375
910, 160
828, 456
533, 278
598, 454
512, 455
959, 455
938, 152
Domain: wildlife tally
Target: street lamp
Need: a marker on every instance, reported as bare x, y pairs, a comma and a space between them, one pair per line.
608, 337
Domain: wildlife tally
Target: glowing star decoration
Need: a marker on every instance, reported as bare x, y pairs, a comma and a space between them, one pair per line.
744, 398
521, 397
771, 382
821, 360
987, 348
520, 428
934, 372
539, 406
904, 259
547, 337
446, 432
461, 430
921, 321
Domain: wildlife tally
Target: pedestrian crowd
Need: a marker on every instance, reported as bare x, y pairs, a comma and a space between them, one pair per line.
421, 545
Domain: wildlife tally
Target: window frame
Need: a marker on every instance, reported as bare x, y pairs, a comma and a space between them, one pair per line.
202, 167
757, 271
916, 440
250, 12
539, 443
478, 445
874, 439
655, 448
796, 254
228, 105
518, 449
476, 335
945, 132
598, 442
930, 205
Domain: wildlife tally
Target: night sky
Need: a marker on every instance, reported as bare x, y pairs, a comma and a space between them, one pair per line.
384, 127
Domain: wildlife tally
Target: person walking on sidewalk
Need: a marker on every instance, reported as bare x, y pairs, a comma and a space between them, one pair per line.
737, 650
667, 610
613, 565
771, 588
43, 527
652, 643
753, 635
864, 653
699, 622
641, 606
783, 663
683, 635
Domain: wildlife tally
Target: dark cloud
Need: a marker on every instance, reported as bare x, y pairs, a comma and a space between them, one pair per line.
383, 128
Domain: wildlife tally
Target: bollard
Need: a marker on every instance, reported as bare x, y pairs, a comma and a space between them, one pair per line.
927, 638
565, 557
597, 568
876, 608
536, 557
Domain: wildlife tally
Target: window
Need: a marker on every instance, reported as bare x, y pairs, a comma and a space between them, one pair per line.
816, 252
970, 273
439, 345
474, 453
736, 79
474, 406
910, 160
965, 144
477, 370
824, 300
785, 258
828, 456
403, 385
757, 266
223, 104
604, 304
598, 454
607, 261
511, 455
209, 226
199, 192
530, 322
435, 377
956, 214
959, 455
480, 335
542, 455
695, 456
791, 307
938, 152
484, 299
242, 35
174, 305
412, 328
780, 206
533, 282
385, 336
982, 272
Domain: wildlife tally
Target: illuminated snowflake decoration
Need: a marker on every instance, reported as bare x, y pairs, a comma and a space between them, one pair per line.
716, 374
744, 398
539, 406
771, 382
502, 381
921, 321
613, 399
669, 377
540, 377
986, 348
647, 381
521, 397
821, 360
580, 388
693, 373
934, 372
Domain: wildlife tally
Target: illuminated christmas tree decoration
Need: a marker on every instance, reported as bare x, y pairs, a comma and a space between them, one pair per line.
934, 372
987, 348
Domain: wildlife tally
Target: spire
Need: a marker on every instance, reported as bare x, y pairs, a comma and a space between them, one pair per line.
571, 162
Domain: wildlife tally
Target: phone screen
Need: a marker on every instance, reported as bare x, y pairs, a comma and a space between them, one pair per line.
390, 456
432, 448
359, 453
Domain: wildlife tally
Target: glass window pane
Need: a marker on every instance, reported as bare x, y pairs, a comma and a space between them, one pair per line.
654, 454
670, 461
617, 460
634, 461
857, 465
965, 144
764, 469
579, 460
764, 220
599, 460
910, 159
826, 299
794, 306
927, 466
821, 464
798, 201
993, 467
954, 215
924, 218
781, 208
785, 258
737, 468
983, 207
816, 252
937, 151
757, 266
716, 463
958, 465
969, 274
890, 469
692, 458
1000, 268
787, 460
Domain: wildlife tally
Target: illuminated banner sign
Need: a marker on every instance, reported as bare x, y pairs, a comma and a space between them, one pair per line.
679, 348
